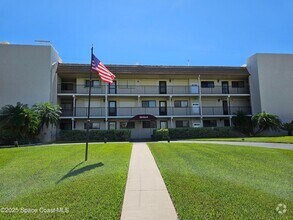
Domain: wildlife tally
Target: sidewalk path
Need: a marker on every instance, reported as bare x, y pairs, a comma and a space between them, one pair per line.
250, 144
146, 195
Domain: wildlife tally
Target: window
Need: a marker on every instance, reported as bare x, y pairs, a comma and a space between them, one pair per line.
112, 125
94, 125
149, 124
127, 125
182, 124
95, 83
163, 124
67, 86
181, 104
237, 84
127, 84
66, 104
148, 104
210, 123
207, 84
65, 125
227, 123
90, 125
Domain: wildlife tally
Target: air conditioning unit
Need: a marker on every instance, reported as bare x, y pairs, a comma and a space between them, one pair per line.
196, 125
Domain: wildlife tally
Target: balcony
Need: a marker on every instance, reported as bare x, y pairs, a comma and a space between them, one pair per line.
225, 90
69, 88
222, 111
169, 111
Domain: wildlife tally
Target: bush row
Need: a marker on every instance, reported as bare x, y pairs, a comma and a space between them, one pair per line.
8, 137
186, 133
94, 135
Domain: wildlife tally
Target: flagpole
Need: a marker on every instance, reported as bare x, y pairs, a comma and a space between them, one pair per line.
106, 105
88, 109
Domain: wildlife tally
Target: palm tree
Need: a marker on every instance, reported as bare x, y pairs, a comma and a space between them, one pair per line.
288, 127
19, 121
243, 123
49, 114
265, 121
12, 118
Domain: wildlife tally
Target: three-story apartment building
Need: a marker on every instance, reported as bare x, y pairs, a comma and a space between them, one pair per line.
144, 98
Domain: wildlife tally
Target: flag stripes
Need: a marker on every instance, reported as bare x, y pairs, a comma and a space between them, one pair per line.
104, 73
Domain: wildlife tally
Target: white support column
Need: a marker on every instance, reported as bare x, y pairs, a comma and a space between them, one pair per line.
106, 106
229, 109
74, 106
138, 101
72, 124
172, 126
228, 102
170, 106
200, 101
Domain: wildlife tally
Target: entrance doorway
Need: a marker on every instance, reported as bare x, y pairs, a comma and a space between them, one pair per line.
163, 108
225, 87
162, 87
113, 87
112, 108
225, 108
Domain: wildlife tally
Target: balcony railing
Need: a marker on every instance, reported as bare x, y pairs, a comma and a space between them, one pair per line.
225, 111
135, 89
169, 111
225, 90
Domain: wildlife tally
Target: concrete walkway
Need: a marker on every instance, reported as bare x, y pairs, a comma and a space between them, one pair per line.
250, 144
146, 195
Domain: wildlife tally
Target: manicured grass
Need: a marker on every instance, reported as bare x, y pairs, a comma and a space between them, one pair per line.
56, 177
209, 181
279, 139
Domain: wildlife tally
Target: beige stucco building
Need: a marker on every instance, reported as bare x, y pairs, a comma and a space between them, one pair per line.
144, 97
28, 75
271, 79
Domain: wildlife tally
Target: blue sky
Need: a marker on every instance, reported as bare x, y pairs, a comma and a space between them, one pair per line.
166, 32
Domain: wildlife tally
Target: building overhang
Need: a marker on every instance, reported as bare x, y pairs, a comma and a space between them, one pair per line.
67, 69
143, 118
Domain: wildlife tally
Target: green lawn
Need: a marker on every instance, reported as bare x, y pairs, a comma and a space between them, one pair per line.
47, 177
279, 139
209, 181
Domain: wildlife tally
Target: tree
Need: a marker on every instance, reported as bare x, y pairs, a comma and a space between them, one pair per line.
32, 123
49, 114
19, 121
264, 121
13, 119
288, 127
243, 123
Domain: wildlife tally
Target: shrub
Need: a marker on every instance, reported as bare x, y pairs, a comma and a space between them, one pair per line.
94, 135
243, 123
8, 137
288, 127
161, 134
186, 133
265, 121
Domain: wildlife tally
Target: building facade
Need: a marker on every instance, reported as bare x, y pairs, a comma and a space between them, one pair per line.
271, 84
28, 75
144, 98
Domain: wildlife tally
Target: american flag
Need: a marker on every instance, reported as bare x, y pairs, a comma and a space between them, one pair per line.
104, 73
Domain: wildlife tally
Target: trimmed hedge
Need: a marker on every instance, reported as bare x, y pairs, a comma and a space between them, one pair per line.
188, 133
161, 134
8, 138
94, 135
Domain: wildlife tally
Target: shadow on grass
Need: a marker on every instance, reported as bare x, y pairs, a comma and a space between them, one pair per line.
75, 172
